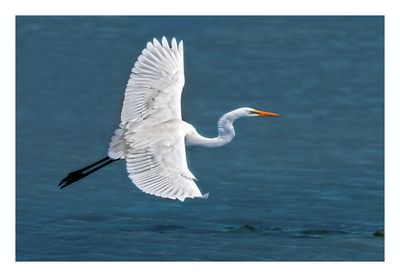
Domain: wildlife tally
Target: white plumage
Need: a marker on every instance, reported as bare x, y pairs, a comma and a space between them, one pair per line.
155, 84
152, 135
156, 162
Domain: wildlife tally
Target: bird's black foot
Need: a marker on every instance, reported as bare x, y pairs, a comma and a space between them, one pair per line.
72, 177
75, 176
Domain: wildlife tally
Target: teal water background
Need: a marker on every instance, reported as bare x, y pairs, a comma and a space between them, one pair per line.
306, 186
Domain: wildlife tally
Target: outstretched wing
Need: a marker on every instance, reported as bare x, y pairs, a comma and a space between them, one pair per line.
157, 165
150, 137
153, 92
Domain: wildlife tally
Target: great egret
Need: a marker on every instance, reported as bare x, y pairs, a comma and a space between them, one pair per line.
152, 135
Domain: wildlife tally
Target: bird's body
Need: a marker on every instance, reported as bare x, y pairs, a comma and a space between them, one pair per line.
152, 135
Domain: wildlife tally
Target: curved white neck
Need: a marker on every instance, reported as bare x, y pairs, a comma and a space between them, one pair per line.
226, 132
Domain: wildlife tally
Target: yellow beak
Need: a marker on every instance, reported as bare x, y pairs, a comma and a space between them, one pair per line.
264, 113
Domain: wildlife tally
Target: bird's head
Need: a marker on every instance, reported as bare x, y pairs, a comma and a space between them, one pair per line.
255, 112
244, 112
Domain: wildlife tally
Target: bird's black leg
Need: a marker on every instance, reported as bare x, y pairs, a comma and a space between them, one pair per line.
76, 175
80, 171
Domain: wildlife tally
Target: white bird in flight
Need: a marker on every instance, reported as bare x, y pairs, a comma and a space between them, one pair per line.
152, 136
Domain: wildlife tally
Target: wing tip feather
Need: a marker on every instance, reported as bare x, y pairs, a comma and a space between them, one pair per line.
164, 42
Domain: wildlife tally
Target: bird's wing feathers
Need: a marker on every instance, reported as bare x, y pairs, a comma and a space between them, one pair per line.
153, 92
150, 135
157, 165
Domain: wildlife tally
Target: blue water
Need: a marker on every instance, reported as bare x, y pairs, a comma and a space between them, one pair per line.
306, 186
